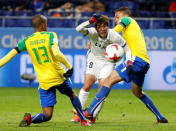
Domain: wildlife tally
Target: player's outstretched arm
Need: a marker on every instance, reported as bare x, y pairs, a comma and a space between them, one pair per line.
118, 28
82, 27
59, 56
127, 53
125, 21
129, 63
8, 57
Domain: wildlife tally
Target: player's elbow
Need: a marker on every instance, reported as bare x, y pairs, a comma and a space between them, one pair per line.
78, 29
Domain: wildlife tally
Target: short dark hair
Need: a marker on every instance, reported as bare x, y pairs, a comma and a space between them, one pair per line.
103, 19
37, 20
125, 10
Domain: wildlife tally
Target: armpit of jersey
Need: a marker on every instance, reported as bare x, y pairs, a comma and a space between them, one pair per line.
21, 45
87, 32
125, 21
53, 38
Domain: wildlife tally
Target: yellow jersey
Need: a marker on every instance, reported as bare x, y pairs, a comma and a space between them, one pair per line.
47, 68
134, 37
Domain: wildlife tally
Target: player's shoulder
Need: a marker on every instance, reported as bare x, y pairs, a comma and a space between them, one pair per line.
52, 33
49, 33
114, 33
28, 37
126, 20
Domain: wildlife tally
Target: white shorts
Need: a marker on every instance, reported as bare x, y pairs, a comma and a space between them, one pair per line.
100, 68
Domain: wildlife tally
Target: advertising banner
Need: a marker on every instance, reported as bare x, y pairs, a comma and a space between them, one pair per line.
69, 38
160, 44
10, 74
161, 75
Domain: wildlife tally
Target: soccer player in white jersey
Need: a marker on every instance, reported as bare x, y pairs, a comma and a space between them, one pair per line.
98, 68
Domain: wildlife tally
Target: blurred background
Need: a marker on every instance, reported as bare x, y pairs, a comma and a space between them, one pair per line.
157, 18
151, 14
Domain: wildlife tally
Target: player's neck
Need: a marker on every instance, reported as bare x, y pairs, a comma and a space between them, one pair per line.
38, 30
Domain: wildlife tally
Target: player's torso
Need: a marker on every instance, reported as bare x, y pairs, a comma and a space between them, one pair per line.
38, 47
98, 44
135, 39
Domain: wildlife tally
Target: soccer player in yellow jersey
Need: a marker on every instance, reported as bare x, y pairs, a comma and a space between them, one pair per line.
43, 49
131, 71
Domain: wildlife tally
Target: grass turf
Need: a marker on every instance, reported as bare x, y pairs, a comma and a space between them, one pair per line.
121, 112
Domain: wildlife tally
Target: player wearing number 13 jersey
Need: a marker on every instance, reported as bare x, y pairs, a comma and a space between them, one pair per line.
43, 49
47, 67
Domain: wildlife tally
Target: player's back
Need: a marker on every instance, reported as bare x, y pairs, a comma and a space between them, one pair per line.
49, 71
135, 39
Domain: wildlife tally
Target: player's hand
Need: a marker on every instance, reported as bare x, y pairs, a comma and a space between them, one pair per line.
129, 67
94, 18
68, 73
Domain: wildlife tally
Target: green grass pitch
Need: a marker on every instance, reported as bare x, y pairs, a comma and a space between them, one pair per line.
121, 112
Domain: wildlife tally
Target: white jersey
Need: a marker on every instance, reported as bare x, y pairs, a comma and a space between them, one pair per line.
98, 44
97, 64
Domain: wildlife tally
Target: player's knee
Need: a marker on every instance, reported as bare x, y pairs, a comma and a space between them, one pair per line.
70, 94
87, 88
48, 116
108, 82
67, 92
137, 93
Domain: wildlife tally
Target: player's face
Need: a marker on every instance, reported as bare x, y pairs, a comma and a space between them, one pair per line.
102, 30
118, 16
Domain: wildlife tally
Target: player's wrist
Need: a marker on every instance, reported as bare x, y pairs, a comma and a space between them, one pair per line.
92, 20
129, 63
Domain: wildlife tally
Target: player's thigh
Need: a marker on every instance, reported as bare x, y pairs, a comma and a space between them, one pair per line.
105, 71
66, 88
113, 78
47, 97
89, 80
94, 66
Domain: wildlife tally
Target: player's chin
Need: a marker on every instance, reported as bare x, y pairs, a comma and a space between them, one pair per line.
103, 35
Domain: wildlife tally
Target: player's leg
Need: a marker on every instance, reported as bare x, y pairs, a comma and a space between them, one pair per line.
66, 88
47, 100
89, 79
100, 106
84, 93
113, 78
45, 116
140, 69
105, 71
137, 91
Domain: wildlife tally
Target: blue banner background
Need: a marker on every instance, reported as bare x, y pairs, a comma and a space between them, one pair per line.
160, 43
11, 72
70, 39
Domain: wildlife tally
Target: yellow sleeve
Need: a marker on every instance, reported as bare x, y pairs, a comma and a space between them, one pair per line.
8, 57
119, 28
59, 55
53, 39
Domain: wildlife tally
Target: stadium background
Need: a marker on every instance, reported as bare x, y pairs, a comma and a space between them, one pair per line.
156, 18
